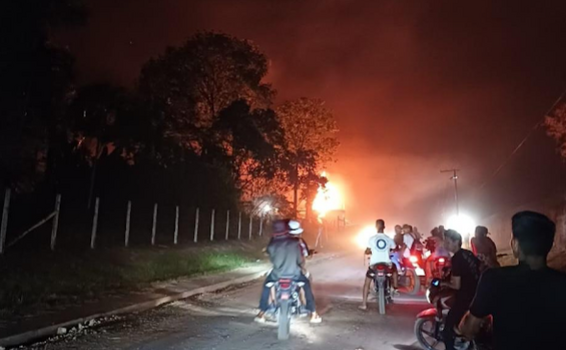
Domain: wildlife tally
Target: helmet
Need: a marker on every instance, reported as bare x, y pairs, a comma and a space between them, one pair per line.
295, 227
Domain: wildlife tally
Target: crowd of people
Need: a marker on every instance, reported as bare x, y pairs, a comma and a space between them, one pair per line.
527, 302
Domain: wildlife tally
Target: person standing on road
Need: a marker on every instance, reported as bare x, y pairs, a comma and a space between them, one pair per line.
398, 250
288, 261
527, 301
408, 240
484, 248
379, 246
464, 280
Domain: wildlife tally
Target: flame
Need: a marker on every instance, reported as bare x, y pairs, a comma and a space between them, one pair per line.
327, 198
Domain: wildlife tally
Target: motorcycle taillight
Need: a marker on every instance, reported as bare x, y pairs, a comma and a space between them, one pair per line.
285, 284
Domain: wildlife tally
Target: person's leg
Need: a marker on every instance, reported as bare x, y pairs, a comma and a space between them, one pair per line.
365, 292
309, 297
264, 299
394, 277
452, 320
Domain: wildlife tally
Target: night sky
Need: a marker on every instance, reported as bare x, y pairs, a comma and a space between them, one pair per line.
417, 86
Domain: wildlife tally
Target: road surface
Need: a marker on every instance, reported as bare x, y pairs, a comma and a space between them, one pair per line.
224, 321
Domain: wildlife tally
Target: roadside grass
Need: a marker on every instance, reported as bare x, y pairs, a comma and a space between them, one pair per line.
31, 281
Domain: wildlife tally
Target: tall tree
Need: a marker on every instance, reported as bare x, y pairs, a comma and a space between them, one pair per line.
191, 84
35, 79
208, 97
311, 142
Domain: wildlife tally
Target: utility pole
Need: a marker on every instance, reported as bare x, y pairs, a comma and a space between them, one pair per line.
455, 179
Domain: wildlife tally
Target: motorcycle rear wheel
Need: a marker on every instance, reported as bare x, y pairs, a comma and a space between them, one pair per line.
381, 297
284, 327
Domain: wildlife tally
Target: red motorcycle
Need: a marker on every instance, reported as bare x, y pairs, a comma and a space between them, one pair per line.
430, 323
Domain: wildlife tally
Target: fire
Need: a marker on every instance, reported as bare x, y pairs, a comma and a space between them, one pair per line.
327, 198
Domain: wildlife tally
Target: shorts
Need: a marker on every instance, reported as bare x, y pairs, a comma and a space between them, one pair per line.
390, 268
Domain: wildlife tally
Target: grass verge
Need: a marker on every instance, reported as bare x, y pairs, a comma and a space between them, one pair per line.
49, 280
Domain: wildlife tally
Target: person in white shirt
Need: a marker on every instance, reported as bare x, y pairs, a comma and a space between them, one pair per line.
408, 240
379, 246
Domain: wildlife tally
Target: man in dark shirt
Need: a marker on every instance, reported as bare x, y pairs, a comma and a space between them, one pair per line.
527, 301
288, 261
464, 280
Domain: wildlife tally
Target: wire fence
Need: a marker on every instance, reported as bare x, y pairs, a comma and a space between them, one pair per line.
29, 223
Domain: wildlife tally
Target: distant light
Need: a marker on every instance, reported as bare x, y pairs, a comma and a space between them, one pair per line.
267, 208
464, 224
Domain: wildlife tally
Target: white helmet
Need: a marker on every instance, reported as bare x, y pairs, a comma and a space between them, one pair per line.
295, 227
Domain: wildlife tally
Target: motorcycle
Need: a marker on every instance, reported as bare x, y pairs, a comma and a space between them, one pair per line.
430, 323
382, 281
439, 263
411, 274
286, 294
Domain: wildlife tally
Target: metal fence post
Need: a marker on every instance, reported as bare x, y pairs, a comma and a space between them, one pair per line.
250, 233
94, 223
55, 221
227, 224
212, 225
127, 234
196, 225
240, 226
154, 227
176, 234
5, 212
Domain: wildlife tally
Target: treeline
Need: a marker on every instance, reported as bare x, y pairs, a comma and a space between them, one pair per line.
199, 128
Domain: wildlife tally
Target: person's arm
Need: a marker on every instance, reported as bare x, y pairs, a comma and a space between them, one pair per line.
482, 306
454, 283
473, 244
301, 258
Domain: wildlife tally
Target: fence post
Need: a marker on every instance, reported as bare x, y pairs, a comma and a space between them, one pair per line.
261, 226
94, 223
127, 235
176, 234
227, 224
154, 227
5, 211
250, 236
55, 221
196, 225
212, 225
240, 226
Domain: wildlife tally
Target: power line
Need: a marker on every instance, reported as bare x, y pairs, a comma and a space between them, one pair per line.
531, 131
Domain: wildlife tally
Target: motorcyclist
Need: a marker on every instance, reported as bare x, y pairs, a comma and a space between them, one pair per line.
435, 244
286, 255
527, 300
484, 248
464, 279
296, 231
379, 246
397, 252
408, 240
